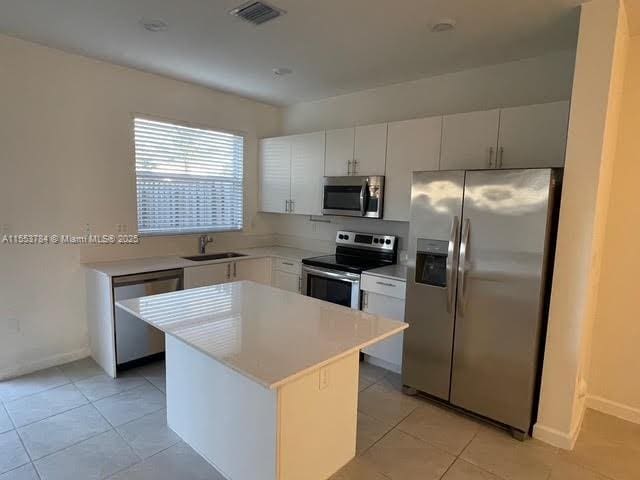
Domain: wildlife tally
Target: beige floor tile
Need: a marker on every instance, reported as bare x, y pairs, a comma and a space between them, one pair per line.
564, 470
359, 469
441, 427
385, 404
403, 457
609, 446
498, 453
371, 371
364, 382
370, 430
462, 470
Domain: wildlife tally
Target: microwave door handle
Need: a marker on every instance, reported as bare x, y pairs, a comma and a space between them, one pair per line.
363, 197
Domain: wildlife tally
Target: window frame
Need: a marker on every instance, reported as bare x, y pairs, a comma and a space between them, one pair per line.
188, 124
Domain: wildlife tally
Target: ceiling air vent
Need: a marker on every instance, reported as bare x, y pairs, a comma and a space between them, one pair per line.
257, 12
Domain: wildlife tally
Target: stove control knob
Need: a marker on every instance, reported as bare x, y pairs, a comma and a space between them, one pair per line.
346, 237
375, 240
387, 241
341, 237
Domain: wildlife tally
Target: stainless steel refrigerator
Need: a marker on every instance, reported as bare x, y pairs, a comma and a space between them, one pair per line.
480, 248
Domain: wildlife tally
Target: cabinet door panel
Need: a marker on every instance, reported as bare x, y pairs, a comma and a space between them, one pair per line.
339, 152
370, 151
470, 140
307, 171
413, 145
534, 136
275, 174
286, 281
204, 275
256, 270
389, 350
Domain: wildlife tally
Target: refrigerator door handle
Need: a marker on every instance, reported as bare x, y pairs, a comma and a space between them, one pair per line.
462, 265
453, 236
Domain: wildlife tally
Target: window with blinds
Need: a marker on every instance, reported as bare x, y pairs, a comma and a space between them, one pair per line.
189, 180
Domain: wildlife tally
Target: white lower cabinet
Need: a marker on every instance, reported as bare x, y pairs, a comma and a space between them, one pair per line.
257, 270
204, 275
385, 297
287, 275
286, 281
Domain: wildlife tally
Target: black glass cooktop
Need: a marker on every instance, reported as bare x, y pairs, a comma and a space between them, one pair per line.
346, 263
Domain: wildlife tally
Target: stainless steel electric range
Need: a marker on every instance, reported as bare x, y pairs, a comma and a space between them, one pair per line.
336, 278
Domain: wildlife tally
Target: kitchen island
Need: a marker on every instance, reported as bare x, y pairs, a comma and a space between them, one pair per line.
262, 382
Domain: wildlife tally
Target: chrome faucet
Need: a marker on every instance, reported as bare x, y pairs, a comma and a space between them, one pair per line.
202, 243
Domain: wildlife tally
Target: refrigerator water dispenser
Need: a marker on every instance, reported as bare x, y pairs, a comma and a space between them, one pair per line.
431, 262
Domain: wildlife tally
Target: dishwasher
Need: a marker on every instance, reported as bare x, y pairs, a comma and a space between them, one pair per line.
137, 341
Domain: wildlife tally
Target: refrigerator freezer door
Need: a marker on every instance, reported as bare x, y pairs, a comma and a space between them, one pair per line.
505, 232
436, 208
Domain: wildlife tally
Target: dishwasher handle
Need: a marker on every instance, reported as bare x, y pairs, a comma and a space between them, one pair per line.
124, 280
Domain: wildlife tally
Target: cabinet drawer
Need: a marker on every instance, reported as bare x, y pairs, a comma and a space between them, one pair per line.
288, 266
383, 286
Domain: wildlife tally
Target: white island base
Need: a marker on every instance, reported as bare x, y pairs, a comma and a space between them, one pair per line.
261, 382
302, 430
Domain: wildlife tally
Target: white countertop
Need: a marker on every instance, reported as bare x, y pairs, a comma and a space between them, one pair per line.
269, 335
152, 264
395, 272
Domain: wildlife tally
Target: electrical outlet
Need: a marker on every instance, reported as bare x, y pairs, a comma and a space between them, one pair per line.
324, 378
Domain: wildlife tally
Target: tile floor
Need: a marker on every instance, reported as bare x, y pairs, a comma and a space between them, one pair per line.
75, 422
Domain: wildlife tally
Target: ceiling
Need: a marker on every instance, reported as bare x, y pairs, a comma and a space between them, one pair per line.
332, 46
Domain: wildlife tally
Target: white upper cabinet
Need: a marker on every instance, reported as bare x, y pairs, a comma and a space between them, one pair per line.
413, 145
470, 140
533, 136
356, 151
307, 171
275, 174
339, 152
370, 151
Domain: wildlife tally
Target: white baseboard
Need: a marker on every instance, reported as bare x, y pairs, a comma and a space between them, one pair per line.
557, 438
378, 362
52, 361
625, 412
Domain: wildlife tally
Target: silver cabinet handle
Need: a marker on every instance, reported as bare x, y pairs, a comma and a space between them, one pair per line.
299, 284
500, 157
365, 300
451, 251
288, 263
292, 206
355, 166
490, 157
348, 167
286, 205
462, 265
228, 271
235, 269
385, 284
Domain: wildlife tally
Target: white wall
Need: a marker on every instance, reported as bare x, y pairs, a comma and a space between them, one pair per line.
595, 109
66, 162
535, 80
614, 383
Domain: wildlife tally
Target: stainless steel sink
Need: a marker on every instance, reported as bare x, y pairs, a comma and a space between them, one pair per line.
214, 256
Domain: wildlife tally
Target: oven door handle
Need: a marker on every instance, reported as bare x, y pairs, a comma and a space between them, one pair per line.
342, 276
363, 196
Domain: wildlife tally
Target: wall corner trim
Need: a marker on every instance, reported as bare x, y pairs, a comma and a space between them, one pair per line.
619, 410
557, 438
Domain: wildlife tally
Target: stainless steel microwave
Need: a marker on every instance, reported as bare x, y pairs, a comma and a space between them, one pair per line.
353, 196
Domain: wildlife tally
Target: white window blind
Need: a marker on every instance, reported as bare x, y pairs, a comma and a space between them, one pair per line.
189, 180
